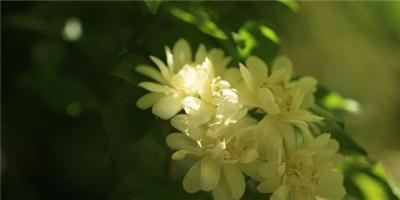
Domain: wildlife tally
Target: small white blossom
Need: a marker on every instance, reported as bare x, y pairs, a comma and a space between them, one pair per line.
180, 78
303, 171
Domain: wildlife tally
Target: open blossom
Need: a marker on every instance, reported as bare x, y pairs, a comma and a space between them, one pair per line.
179, 78
297, 171
219, 158
227, 144
276, 94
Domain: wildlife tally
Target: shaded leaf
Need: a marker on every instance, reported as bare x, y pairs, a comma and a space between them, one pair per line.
202, 22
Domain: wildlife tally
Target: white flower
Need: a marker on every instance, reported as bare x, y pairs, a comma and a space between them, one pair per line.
219, 159
180, 78
251, 91
276, 94
303, 172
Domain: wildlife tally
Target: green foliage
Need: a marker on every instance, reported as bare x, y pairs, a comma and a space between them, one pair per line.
365, 180
256, 38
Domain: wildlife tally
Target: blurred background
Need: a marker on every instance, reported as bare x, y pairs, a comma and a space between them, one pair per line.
70, 127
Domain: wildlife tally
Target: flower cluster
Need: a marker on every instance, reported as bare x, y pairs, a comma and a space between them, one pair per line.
212, 107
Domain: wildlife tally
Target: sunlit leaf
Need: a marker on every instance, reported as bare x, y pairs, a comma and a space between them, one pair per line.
292, 4
333, 100
203, 22
256, 38
363, 181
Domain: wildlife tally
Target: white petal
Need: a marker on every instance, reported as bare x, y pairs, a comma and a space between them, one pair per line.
258, 69
246, 75
182, 53
321, 140
155, 87
331, 186
181, 141
165, 72
235, 180
201, 54
284, 63
167, 107
306, 116
180, 122
248, 156
210, 173
192, 180
268, 101
251, 170
170, 59
222, 191
232, 75
268, 186
180, 155
246, 97
148, 100
281, 193
150, 72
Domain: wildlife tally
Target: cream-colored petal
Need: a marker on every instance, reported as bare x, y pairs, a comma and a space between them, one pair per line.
267, 100
268, 186
170, 59
282, 62
155, 87
306, 116
181, 141
182, 53
219, 60
258, 69
248, 79
320, 141
222, 191
191, 182
235, 180
282, 193
180, 122
268, 169
297, 100
210, 174
232, 75
181, 154
331, 186
246, 97
248, 156
251, 170
167, 107
201, 54
165, 72
150, 72
148, 100
199, 111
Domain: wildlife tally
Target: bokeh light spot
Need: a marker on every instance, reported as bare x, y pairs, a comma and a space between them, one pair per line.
72, 29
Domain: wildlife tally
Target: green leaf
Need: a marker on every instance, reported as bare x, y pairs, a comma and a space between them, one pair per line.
256, 38
201, 20
366, 181
347, 144
292, 4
